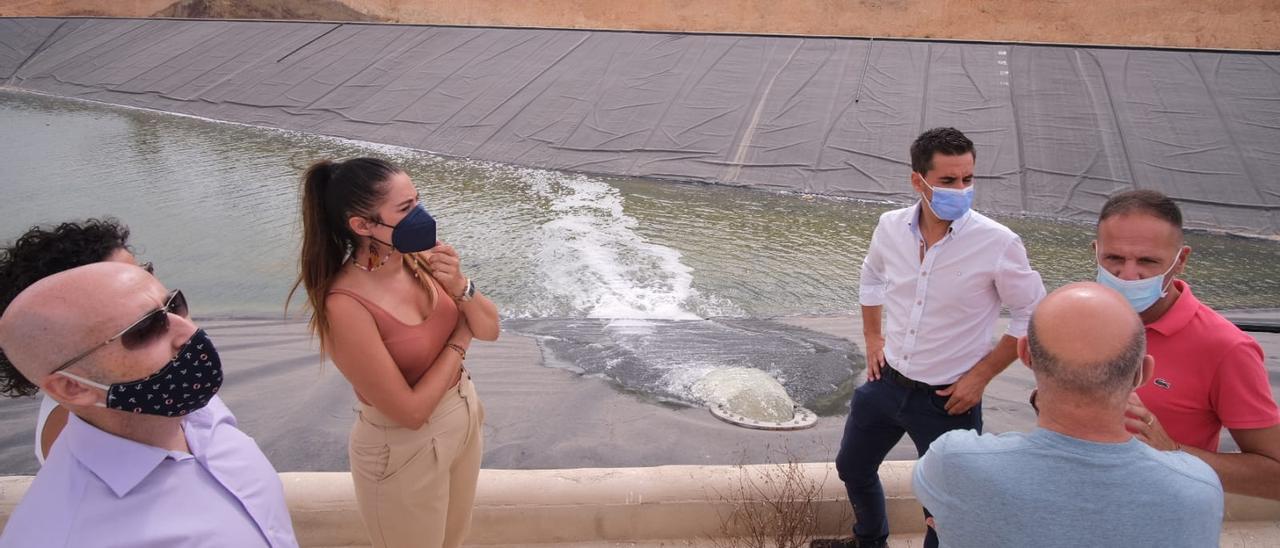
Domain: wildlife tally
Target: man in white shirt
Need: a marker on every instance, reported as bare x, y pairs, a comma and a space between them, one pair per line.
938, 273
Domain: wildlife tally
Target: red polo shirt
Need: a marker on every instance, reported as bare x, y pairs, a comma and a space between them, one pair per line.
1209, 374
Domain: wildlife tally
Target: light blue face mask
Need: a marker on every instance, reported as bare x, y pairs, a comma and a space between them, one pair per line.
948, 204
1141, 294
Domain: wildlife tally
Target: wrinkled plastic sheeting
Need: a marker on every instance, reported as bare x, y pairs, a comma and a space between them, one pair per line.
1058, 128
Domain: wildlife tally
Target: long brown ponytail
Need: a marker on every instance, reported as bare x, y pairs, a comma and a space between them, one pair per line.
333, 192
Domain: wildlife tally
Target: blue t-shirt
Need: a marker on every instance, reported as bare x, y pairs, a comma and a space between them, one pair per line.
1046, 489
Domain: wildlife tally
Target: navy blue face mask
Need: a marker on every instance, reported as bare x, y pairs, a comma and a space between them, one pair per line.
187, 383
415, 232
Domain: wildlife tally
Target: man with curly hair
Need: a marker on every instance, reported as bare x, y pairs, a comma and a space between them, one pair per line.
42, 252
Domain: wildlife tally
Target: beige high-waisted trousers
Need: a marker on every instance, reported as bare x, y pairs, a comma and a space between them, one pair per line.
415, 488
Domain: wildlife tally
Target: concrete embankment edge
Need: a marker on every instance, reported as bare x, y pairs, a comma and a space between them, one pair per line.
638, 505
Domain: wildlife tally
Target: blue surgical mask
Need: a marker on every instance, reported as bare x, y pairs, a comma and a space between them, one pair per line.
1141, 294
415, 232
949, 204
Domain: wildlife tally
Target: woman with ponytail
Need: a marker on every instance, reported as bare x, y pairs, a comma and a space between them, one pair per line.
393, 310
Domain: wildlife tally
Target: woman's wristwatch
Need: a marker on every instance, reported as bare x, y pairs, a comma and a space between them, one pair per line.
468, 293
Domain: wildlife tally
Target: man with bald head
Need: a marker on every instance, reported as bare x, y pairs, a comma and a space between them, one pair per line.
149, 458
1080, 478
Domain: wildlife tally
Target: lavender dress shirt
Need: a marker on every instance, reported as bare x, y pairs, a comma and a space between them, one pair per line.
97, 489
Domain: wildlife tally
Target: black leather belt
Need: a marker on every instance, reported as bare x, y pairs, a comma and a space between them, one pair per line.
901, 380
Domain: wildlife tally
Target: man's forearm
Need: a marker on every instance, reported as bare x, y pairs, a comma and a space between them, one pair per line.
1243, 473
996, 361
871, 318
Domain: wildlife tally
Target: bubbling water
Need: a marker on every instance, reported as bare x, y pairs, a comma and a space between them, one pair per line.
745, 391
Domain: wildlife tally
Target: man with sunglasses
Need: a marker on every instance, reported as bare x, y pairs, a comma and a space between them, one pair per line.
149, 457
42, 251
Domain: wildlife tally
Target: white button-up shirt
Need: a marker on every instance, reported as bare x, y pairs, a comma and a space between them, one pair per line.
939, 310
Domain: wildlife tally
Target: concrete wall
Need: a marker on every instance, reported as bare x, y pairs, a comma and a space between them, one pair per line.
668, 503
1197, 23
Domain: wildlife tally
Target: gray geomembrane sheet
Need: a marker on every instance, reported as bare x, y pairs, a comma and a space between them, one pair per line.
1058, 128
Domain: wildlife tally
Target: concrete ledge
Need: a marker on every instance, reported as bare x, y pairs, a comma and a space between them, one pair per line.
688, 503
639, 506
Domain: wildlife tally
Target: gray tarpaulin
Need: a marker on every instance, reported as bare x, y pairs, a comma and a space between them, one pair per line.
1058, 128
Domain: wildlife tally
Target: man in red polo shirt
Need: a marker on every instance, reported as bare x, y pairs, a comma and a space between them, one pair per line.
1208, 373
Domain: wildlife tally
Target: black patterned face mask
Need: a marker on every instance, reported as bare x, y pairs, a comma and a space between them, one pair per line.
185, 384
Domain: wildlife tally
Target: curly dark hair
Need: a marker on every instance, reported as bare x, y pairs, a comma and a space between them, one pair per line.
42, 252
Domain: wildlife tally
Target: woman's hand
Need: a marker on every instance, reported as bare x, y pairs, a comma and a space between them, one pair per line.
480, 313
446, 268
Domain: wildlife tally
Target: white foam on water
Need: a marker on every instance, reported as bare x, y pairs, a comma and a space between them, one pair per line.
682, 380
592, 256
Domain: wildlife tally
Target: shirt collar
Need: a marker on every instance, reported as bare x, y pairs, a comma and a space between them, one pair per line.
957, 226
120, 463
1178, 315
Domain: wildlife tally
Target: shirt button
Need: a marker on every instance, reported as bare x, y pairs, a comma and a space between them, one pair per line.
907, 357
913, 332
918, 303
924, 273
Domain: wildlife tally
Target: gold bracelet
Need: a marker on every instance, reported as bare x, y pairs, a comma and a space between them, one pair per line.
462, 352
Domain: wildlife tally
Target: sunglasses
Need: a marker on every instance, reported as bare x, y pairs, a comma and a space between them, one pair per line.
149, 327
